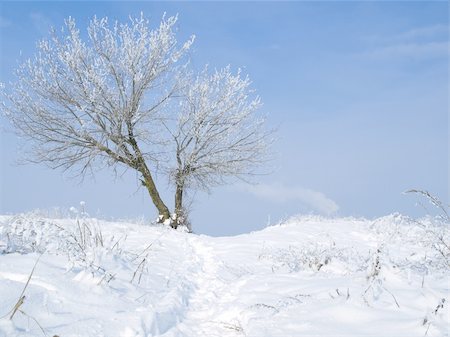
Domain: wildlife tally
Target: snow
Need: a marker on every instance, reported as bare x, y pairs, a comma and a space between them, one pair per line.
307, 276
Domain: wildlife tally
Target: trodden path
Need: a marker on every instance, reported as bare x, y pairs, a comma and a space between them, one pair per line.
211, 307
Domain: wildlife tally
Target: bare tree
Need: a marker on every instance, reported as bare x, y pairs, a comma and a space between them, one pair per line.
123, 96
217, 135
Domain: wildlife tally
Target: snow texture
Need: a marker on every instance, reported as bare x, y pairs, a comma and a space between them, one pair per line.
307, 276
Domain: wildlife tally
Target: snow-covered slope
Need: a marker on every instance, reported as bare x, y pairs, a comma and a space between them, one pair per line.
308, 276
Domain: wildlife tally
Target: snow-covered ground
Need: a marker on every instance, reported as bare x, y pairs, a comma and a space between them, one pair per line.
308, 276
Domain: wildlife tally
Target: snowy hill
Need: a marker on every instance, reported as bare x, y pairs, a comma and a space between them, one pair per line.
308, 276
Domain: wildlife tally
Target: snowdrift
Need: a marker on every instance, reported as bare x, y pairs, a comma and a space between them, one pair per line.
307, 276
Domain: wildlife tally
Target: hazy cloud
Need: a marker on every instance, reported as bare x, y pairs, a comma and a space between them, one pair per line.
281, 194
275, 46
4, 22
418, 43
41, 22
410, 50
429, 32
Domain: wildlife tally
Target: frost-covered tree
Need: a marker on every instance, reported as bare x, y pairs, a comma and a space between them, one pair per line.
122, 96
217, 135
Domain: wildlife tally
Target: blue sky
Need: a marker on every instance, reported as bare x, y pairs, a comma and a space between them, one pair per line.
357, 90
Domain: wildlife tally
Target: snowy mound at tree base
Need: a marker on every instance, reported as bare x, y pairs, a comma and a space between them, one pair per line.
308, 276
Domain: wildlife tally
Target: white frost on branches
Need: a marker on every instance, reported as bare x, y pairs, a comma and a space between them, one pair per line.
124, 94
217, 134
80, 101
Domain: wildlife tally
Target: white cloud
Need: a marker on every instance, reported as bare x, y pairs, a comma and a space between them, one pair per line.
282, 194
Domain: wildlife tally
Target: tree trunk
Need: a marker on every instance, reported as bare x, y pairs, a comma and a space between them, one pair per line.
164, 213
179, 203
142, 167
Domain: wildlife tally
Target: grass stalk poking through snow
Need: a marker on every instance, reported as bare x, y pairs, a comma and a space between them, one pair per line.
20, 301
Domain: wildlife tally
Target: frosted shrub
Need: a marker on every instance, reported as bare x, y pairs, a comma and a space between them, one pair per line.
312, 257
436, 228
429, 233
376, 278
437, 238
81, 240
24, 234
431, 317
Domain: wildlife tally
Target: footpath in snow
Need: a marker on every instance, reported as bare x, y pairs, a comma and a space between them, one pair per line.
308, 276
